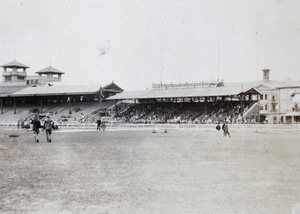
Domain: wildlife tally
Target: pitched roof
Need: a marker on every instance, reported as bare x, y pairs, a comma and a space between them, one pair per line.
14, 64
5, 90
48, 70
47, 90
180, 92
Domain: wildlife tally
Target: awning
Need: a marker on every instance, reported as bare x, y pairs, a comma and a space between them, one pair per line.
296, 98
183, 92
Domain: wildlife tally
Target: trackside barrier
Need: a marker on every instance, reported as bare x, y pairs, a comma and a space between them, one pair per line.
281, 128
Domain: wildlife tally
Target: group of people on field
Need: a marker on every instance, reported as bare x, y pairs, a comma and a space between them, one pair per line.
224, 128
36, 125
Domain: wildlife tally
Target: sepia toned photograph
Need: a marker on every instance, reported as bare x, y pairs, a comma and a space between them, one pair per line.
150, 106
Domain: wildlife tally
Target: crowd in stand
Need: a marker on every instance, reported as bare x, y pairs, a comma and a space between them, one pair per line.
155, 113
185, 113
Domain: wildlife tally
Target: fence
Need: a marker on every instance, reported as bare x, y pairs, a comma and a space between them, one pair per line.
280, 128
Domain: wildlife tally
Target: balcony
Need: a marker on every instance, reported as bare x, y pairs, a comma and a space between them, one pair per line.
11, 73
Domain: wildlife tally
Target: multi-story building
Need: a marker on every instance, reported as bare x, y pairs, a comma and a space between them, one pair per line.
277, 100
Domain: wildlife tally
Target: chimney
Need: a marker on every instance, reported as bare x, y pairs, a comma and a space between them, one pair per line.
266, 74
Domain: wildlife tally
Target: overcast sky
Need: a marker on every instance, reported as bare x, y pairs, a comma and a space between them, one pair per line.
126, 41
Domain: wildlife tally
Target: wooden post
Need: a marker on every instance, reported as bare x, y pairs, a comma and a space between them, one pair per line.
116, 107
242, 107
69, 99
15, 105
100, 100
2, 103
41, 108
205, 110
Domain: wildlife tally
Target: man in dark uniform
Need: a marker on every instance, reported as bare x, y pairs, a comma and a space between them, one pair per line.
36, 125
98, 124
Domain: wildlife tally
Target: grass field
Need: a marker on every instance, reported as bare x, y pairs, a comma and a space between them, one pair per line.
181, 171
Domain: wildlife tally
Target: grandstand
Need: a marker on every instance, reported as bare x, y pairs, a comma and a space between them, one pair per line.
64, 102
22, 96
190, 105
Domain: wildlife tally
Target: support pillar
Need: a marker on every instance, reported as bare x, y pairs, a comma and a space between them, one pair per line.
205, 110
15, 105
100, 100
116, 107
41, 107
69, 99
173, 109
242, 107
2, 103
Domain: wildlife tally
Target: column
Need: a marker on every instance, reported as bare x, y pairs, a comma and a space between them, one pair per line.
116, 107
69, 99
41, 107
15, 105
2, 103
242, 107
205, 110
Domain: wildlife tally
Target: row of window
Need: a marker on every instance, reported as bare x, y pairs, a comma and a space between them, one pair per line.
32, 82
273, 107
264, 107
262, 96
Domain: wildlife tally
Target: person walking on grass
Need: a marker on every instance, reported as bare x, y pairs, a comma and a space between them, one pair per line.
225, 129
36, 125
48, 127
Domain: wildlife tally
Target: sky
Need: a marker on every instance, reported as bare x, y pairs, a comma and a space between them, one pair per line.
135, 43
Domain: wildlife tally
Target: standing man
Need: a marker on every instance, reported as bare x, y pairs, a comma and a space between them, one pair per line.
19, 123
225, 129
98, 124
36, 125
48, 127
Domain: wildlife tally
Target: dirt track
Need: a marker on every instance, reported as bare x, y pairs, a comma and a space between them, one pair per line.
144, 172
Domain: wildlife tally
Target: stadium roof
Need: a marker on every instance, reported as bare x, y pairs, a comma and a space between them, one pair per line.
48, 90
182, 92
14, 64
48, 70
5, 90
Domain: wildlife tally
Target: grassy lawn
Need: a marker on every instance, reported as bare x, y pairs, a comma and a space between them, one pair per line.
142, 172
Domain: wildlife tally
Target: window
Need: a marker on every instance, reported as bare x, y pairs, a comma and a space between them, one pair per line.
261, 97
261, 108
266, 97
266, 107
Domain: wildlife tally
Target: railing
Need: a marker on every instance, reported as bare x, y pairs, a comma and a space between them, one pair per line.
12, 73
261, 128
